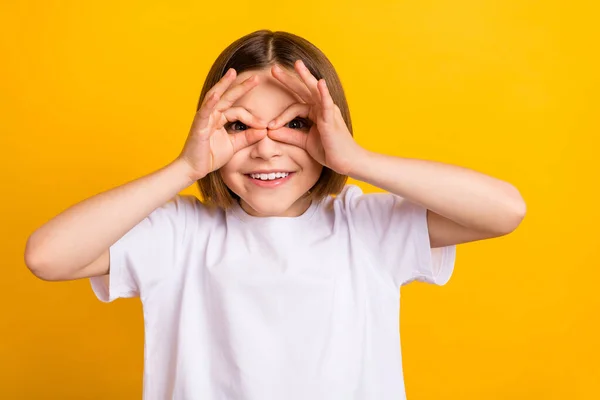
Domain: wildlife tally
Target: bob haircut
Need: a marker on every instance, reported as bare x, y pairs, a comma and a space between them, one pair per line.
259, 50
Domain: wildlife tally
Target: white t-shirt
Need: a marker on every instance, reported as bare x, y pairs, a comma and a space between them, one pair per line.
294, 308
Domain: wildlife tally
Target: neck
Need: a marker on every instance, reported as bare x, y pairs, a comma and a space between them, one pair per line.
295, 210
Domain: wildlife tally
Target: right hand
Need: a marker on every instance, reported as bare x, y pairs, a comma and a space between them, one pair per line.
209, 145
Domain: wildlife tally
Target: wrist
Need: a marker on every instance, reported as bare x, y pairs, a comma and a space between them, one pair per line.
360, 162
186, 171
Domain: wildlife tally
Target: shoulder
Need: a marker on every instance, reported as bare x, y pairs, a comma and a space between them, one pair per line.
183, 208
352, 199
181, 203
177, 206
372, 212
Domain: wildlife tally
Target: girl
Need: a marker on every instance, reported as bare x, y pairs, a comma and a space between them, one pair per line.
283, 283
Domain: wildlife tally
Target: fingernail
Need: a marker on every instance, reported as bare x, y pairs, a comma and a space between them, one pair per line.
271, 124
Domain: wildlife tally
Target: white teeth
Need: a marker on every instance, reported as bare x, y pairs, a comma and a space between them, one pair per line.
269, 177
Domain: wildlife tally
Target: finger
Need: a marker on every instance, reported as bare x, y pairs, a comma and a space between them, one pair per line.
327, 104
204, 116
293, 137
246, 138
241, 114
220, 87
207, 107
293, 111
292, 82
211, 99
309, 80
234, 93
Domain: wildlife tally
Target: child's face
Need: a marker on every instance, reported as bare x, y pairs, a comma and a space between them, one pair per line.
279, 197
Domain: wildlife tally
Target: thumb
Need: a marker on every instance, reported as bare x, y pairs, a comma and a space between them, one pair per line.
293, 137
246, 138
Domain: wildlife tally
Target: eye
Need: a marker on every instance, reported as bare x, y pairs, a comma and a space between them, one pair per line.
236, 126
299, 123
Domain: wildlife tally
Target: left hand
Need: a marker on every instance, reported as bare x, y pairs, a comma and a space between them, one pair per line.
328, 141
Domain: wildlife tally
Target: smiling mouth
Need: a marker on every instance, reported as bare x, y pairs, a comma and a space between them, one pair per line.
269, 176
269, 179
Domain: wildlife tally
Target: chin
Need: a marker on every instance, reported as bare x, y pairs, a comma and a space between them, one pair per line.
272, 208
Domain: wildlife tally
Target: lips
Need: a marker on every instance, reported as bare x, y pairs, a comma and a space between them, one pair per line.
269, 179
268, 171
264, 176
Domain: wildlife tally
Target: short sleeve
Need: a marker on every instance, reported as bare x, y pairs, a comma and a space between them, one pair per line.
147, 252
395, 233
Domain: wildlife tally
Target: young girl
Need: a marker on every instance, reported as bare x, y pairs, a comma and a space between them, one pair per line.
283, 283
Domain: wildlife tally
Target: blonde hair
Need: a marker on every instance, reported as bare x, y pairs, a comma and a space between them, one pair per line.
256, 51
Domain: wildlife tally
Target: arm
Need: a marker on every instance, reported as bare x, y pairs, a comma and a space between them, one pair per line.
463, 205
75, 243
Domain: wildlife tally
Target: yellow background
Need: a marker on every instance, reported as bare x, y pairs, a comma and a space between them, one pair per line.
94, 94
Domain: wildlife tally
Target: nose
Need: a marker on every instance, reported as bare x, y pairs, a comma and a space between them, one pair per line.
266, 148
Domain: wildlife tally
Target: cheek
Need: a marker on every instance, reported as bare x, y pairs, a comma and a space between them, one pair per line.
226, 171
234, 164
309, 165
231, 169
316, 170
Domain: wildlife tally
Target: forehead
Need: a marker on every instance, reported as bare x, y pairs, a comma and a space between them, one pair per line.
269, 98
